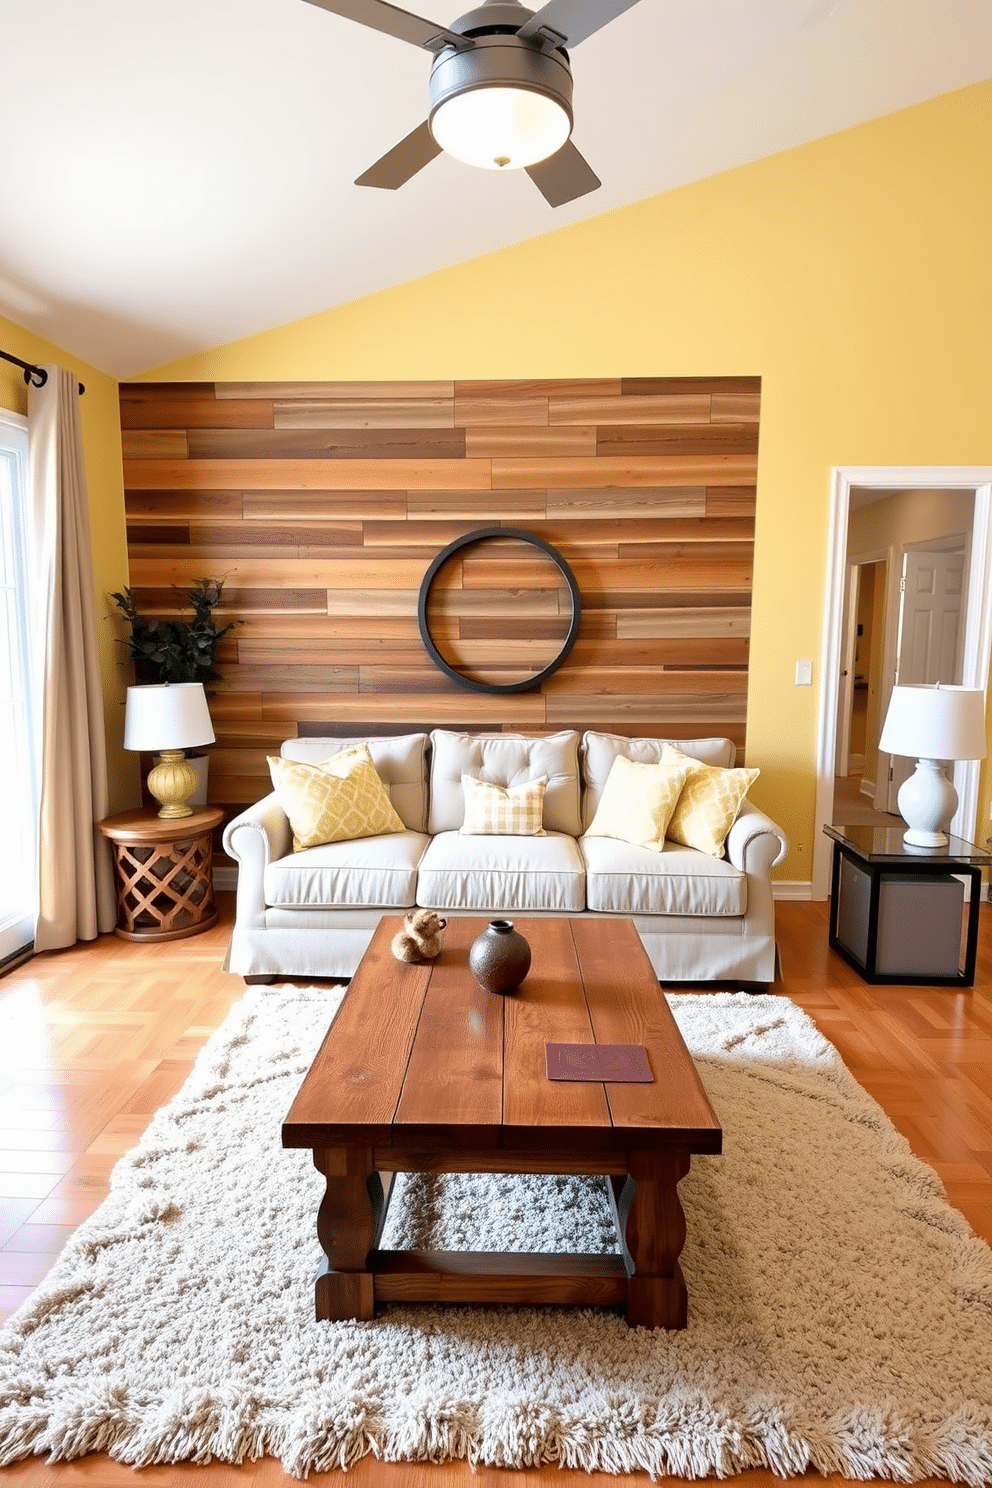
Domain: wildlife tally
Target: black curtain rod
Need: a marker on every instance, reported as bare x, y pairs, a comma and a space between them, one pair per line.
33, 376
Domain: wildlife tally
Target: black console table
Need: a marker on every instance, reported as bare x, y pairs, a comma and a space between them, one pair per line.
896, 912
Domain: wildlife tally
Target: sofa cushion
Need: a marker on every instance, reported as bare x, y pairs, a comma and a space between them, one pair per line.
511, 874
600, 750
375, 872
503, 811
638, 801
505, 759
401, 763
709, 803
338, 799
629, 880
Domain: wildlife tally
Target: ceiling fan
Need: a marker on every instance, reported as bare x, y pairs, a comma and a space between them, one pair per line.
500, 89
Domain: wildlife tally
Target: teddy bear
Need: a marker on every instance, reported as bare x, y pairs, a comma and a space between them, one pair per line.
420, 938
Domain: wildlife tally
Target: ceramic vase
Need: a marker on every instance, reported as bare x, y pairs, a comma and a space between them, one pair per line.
499, 958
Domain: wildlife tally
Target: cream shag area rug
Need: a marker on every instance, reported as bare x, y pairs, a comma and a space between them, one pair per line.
840, 1311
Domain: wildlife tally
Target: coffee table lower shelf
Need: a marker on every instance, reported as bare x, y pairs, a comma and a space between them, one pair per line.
650, 1288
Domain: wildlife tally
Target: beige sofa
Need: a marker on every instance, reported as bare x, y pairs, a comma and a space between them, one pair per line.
312, 913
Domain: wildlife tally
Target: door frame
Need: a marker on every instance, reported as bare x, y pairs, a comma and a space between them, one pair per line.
978, 626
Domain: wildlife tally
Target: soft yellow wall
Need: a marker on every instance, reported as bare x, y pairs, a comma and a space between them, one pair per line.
852, 274
102, 449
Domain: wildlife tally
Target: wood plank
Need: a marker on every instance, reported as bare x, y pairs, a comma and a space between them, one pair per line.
372, 412
459, 1048
456, 710
684, 574
494, 410
309, 475
316, 506
732, 501
624, 440
659, 408
551, 387
157, 599
613, 503
309, 392
327, 443
664, 624
182, 504
631, 713
486, 442
354, 573
662, 386
481, 509
354, 1084
614, 470
736, 407
155, 444
274, 534
653, 681
160, 405
551, 999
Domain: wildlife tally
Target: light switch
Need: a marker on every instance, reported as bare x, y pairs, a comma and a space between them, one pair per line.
804, 674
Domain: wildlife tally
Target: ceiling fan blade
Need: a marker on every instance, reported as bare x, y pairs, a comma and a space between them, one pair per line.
403, 160
395, 22
564, 176
571, 20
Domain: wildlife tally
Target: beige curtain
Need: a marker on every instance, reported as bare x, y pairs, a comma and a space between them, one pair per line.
76, 890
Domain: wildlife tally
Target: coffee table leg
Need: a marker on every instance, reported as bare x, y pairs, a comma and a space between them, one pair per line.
348, 1221
656, 1292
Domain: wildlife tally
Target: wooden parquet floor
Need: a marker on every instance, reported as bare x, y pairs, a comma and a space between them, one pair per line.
93, 1040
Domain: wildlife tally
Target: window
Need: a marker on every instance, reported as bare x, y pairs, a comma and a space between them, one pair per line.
18, 779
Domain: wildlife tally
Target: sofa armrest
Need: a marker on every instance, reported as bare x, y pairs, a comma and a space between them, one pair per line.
255, 839
754, 843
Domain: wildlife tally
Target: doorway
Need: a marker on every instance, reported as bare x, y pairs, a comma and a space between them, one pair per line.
865, 485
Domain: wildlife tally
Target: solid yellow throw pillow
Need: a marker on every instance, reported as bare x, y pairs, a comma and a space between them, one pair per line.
637, 802
709, 803
498, 811
335, 801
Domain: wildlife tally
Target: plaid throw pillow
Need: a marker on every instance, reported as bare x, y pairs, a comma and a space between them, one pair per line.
497, 811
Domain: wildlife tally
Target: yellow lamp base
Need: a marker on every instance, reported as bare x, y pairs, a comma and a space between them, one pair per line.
172, 781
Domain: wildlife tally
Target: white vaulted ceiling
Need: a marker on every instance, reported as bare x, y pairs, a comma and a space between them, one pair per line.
178, 173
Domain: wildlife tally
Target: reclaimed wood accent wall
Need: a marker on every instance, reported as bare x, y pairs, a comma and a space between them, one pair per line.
321, 505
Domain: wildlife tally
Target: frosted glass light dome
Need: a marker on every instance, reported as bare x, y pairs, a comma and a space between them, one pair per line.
500, 128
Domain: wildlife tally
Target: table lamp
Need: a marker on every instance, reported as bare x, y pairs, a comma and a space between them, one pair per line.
935, 724
169, 718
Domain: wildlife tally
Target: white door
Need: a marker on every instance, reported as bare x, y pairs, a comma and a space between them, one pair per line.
930, 630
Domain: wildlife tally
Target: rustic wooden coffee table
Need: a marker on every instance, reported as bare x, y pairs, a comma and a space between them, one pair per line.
422, 1071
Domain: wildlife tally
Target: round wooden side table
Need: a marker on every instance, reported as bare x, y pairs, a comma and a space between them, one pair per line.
163, 872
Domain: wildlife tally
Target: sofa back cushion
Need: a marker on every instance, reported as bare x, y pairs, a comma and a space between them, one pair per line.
600, 750
505, 759
400, 762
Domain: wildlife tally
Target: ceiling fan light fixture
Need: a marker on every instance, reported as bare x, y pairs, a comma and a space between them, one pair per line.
500, 128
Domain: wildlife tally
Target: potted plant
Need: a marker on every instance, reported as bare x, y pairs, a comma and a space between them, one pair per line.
177, 650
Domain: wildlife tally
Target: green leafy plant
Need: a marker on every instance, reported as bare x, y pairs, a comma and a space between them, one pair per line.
176, 650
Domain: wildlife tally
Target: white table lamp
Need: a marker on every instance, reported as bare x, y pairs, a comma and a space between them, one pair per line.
169, 718
933, 724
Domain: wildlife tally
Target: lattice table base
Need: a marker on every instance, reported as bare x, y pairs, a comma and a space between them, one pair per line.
164, 874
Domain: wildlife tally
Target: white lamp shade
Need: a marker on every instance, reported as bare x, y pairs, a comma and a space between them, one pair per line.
941, 723
171, 715
500, 128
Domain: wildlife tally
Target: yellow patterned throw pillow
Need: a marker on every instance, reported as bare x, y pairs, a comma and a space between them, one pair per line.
498, 811
637, 802
709, 803
340, 799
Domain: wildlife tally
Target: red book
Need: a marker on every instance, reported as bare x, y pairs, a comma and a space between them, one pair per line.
621, 1064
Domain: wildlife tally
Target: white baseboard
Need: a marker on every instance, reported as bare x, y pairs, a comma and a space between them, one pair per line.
867, 788
791, 889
